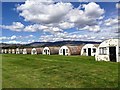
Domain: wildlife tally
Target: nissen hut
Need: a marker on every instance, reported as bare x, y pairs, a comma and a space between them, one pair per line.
27, 50
50, 50
109, 50
1, 51
13, 51
17, 51
36, 51
9, 51
70, 50
89, 49
5, 51
33, 51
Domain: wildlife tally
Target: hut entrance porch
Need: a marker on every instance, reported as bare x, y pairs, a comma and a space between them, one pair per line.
112, 54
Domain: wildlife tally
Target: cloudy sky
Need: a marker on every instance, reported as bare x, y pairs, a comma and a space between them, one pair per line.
49, 21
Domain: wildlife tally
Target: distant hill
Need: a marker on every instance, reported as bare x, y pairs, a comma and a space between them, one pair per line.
61, 43
4, 45
43, 44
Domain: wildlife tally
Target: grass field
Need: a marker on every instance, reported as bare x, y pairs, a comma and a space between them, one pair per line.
43, 71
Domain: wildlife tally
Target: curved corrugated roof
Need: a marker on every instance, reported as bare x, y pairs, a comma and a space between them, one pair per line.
54, 50
39, 50
75, 50
28, 50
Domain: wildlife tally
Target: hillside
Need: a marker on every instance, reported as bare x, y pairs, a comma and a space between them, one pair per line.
43, 44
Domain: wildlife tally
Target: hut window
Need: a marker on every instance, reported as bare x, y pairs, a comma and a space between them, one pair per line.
103, 51
66, 50
84, 50
94, 50
44, 50
61, 51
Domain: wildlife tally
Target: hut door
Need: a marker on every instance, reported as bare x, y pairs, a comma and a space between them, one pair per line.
46, 52
89, 51
63, 51
112, 54
34, 51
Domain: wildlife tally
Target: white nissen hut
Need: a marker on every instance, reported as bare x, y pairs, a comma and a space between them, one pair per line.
2, 51
17, 51
13, 51
33, 51
9, 51
24, 51
50, 50
109, 50
89, 49
70, 50
5, 51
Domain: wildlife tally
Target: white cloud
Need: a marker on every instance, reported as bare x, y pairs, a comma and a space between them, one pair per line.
27, 37
56, 29
94, 28
16, 42
55, 17
31, 36
40, 12
52, 17
4, 38
83, 0
62, 37
101, 17
118, 5
31, 28
74, 15
93, 10
38, 27
16, 26
13, 37
8, 38
13, 42
111, 21
66, 25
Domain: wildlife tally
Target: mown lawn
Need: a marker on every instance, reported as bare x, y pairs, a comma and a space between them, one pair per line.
43, 71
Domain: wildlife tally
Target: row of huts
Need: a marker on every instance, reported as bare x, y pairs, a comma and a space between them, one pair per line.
86, 50
108, 50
